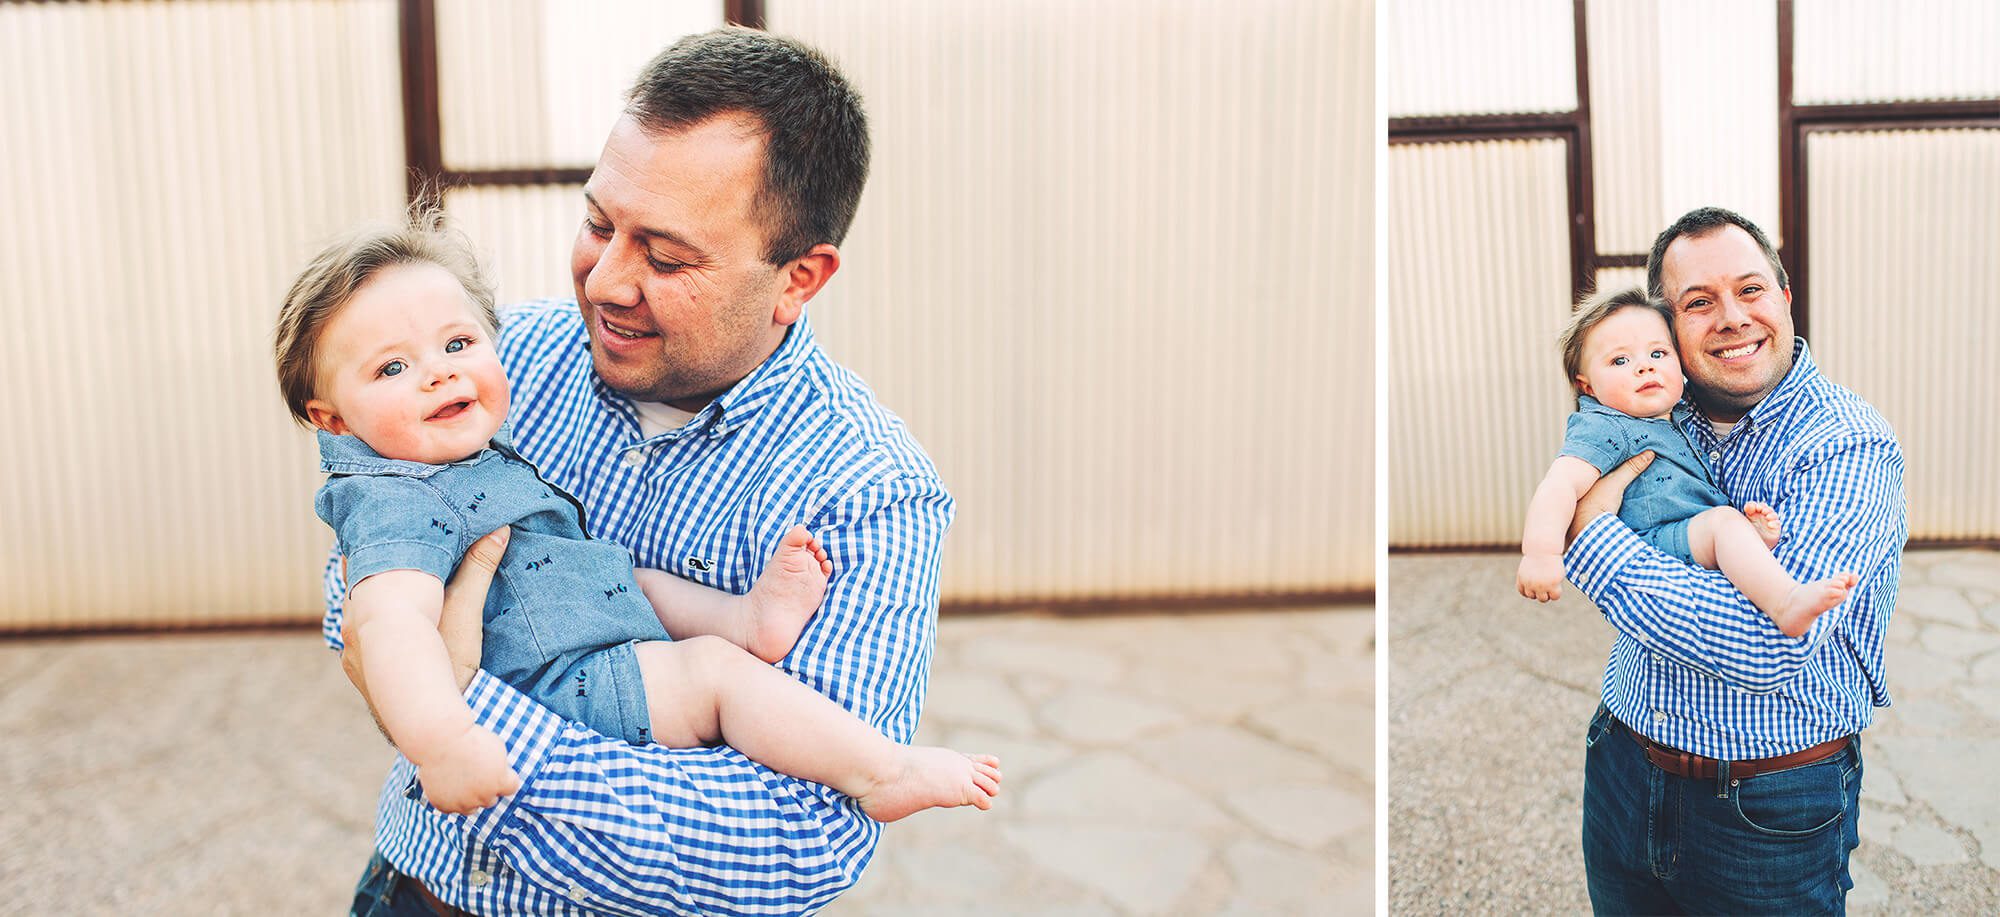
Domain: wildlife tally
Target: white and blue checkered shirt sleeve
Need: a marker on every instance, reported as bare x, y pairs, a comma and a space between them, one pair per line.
1842, 513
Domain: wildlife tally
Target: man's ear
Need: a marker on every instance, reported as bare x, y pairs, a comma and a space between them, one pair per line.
803, 279
321, 414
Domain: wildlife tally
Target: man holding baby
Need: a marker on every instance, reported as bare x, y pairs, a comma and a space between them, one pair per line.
682, 398
1723, 770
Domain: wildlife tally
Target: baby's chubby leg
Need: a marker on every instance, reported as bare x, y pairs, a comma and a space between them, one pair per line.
1727, 540
705, 690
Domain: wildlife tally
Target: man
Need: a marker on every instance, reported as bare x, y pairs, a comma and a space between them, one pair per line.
682, 399
1723, 771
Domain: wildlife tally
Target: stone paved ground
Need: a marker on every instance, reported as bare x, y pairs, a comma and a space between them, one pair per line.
1184, 764
1477, 673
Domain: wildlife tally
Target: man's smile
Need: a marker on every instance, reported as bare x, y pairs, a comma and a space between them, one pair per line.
1739, 351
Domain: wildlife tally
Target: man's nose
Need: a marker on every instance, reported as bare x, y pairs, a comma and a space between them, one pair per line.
611, 281
1734, 313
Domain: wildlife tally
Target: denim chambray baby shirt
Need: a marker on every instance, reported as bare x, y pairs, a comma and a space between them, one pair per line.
563, 610
1677, 487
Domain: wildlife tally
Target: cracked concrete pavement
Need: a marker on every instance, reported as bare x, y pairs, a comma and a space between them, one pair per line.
1155, 764
1478, 674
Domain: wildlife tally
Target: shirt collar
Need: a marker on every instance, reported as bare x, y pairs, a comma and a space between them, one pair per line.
1585, 404
342, 454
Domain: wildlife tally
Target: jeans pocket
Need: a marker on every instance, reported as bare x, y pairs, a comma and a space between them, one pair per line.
1600, 726
1796, 803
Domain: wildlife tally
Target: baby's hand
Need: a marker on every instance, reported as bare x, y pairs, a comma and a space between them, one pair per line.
1540, 577
469, 772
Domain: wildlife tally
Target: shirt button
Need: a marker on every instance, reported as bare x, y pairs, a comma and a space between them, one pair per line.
576, 892
635, 457
479, 878
1583, 579
1715, 456
1659, 716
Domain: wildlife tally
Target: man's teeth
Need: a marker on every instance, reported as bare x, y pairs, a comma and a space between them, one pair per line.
1734, 352
628, 335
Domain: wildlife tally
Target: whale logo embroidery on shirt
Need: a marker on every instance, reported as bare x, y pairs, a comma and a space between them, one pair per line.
700, 564
538, 564
476, 500
611, 592
440, 525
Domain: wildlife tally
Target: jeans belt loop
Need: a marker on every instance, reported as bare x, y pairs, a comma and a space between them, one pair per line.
1721, 779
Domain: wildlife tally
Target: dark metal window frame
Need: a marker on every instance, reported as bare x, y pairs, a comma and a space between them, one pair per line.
1571, 127
1796, 123
423, 145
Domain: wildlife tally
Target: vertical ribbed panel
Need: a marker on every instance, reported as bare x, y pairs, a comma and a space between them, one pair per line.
1718, 97
1619, 278
168, 167
1906, 305
1449, 57
1479, 286
537, 83
1114, 266
524, 235
1869, 51
1625, 146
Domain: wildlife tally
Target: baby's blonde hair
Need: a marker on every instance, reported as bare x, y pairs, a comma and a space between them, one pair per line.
1595, 310
333, 276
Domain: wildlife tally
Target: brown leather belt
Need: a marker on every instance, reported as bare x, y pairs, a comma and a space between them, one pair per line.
1686, 764
435, 903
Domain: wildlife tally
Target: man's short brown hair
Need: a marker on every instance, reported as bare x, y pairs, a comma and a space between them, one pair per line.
340, 269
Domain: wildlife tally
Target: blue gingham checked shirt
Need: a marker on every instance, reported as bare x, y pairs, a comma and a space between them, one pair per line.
600, 826
1696, 665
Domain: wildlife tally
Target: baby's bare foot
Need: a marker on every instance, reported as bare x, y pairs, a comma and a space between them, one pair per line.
1765, 520
933, 778
1808, 601
786, 595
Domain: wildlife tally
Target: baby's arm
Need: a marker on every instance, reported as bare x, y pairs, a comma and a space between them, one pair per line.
767, 621
394, 614
1540, 574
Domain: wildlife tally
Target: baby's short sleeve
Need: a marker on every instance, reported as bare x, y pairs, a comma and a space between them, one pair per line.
1597, 438
390, 522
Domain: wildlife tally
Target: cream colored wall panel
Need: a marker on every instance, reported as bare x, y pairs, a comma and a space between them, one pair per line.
1719, 109
1868, 51
523, 234
1906, 305
1479, 286
168, 166
1619, 278
1114, 268
1449, 57
1625, 146
535, 83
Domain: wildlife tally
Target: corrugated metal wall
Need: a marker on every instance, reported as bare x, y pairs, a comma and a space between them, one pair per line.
1869, 51
1479, 285
1449, 57
168, 165
1906, 305
1115, 268
1625, 147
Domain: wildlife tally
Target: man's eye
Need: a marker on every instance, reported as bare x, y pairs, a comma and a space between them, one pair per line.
1697, 304
392, 367
456, 344
1752, 290
664, 267
596, 229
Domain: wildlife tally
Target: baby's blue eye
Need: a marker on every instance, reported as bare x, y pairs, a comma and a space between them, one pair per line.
1659, 354
456, 345
1618, 361
392, 367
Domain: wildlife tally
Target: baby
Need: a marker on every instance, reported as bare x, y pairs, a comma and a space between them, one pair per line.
386, 345
1618, 352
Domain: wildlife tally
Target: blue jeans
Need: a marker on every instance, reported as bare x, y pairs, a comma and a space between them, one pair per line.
384, 892
1655, 843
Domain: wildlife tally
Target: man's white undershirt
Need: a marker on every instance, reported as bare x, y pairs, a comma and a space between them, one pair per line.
657, 417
